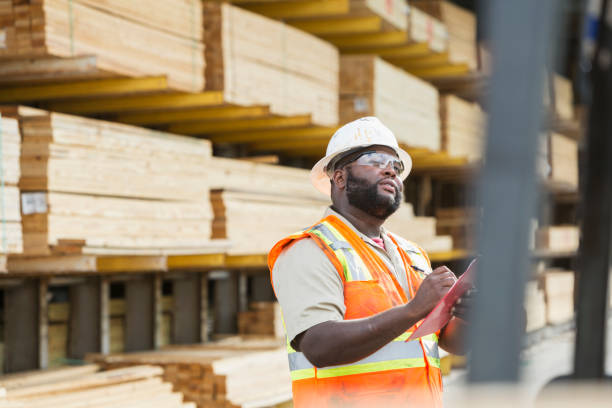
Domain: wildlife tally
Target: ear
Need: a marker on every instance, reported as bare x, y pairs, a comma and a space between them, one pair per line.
339, 178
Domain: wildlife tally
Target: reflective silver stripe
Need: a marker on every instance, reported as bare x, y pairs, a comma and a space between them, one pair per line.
298, 361
431, 348
349, 253
396, 350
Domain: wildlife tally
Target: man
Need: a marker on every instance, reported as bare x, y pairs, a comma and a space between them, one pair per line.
351, 293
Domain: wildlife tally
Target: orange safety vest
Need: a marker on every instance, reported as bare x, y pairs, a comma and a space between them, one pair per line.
401, 373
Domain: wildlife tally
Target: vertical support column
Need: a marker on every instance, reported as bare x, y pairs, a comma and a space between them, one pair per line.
43, 324
424, 197
139, 321
84, 335
204, 307
188, 309
104, 315
226, 304
21, 327
157, 310
243, 288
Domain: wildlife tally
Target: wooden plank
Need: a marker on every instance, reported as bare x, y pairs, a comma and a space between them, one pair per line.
204, 261
273, 134
293, 9
155, 102
331, 26
348, 41
246, 261
109, 264
280, 145
197, 128
450, 70
63, 264
224, 112
87, 88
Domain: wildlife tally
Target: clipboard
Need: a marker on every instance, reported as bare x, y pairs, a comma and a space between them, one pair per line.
441, 313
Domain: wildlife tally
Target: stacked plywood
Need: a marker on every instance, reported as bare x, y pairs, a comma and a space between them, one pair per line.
11, 239
461, 26
559, 96
559, 291
425, 28
463, 127
82, 387
98, 187
218, 375
558, 238
117, 325
57, 330
254, 222
162, 38
535, 306
262, 318
258, 61
420, 230
563, 160
459, 223
404, 103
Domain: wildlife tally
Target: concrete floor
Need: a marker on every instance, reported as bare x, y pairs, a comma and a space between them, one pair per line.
541, 362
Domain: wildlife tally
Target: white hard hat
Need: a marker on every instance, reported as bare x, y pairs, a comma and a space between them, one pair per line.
364, 132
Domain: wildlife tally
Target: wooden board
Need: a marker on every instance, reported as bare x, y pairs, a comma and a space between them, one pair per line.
407, 105
559, 290
563, 160
463, 128
254, 222
561, 238
11, 237
239, 373
535, 306
292, 71
163, 38
84, 387
461, 26
262, 318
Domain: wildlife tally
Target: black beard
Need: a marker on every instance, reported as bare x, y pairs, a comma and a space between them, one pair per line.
362, 195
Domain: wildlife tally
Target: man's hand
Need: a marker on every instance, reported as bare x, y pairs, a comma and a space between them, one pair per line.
433, 288
462, 307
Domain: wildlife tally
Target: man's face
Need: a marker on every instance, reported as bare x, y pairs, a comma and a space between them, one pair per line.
373, 190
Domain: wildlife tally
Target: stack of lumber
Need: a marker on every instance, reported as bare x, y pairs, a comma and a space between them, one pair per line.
99, 187
217, 375
420, 230
561, 238
257, 204
254, 222
407, 105
559, 290
535, 305
559, 96
258, 61
57, 330
246, 176
166, 320
463, 127
563, 160
262, 318
11, 238
459, 223
84, 386
461, 26
425, 28
163, 38
117, 325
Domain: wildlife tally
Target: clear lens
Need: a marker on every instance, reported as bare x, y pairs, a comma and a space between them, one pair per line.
381, 160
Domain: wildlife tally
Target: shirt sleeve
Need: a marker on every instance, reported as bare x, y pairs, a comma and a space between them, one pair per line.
308, 287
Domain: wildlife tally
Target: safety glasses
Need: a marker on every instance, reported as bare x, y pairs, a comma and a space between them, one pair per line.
380, 160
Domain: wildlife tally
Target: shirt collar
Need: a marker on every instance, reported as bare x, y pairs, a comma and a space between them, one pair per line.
383, 233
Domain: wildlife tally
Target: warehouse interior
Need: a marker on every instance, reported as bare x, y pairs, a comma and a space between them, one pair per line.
153, 152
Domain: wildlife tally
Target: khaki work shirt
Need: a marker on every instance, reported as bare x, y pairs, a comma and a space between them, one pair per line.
308, 286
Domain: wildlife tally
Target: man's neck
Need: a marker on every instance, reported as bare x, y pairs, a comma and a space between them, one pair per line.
364, 222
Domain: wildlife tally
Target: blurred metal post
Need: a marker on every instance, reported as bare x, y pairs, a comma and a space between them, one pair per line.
594, 258
520, 36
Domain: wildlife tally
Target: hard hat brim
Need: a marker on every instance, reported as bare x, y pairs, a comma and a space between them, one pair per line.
320, 179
